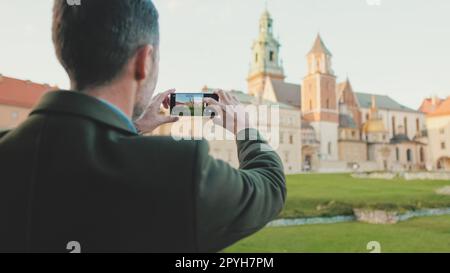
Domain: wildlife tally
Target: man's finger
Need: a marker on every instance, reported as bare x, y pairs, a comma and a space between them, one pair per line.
217, 109
211, 101
166, 102
165, 95
170, 119
218, 104
235, 99
221, 95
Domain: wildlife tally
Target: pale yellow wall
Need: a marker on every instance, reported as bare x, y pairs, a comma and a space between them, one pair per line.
438, 133
349, 134
411, 117
11, 116
352, 151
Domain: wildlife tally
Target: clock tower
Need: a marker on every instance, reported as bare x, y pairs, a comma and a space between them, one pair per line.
265, 63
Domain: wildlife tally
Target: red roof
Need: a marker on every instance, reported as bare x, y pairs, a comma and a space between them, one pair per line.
443, 109
21, 93
430, 104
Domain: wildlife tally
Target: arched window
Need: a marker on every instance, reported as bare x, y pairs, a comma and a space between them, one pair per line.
271, 56
394, 126
405, 121
418, 126
409, 155
422, 155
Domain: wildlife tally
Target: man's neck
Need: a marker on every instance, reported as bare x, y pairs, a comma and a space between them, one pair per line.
118, 95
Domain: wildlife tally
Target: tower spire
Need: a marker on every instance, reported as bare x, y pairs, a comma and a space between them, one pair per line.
266, 61
319, 47
319, 58
373, 108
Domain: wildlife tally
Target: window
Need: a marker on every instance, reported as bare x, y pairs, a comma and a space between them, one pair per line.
367, 116
397, 154
393, 126
291, 139
405, 121
353, 134
422, 155
281, 138
443, 146
409, 155
256, 57
442, 131
271, 56
328, 104
330, 146
418, 126
310, 105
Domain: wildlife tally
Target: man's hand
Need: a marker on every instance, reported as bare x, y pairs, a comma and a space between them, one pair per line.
152, 117
229, 112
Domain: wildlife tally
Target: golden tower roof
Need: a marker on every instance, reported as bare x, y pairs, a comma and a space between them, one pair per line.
374, 126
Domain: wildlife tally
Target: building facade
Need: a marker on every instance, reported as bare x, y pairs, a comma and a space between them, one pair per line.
17, 98
341, 129
438, 128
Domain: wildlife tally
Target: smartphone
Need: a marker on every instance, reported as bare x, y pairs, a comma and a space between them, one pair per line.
190, 104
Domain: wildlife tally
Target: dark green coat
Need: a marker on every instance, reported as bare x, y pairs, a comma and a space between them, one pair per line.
73, 171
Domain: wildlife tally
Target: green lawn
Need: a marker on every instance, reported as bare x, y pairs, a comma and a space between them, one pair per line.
427, 234
312, 195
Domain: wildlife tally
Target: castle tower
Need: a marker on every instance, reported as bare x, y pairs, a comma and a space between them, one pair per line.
319, 99
266, 62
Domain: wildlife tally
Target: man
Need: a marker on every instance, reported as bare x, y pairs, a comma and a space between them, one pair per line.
77, 173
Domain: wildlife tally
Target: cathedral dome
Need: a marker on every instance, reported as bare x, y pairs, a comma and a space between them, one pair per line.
374, 126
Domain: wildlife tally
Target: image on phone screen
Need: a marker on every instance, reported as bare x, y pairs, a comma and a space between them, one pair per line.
190, 104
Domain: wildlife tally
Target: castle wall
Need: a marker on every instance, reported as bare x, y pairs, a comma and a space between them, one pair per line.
352, 151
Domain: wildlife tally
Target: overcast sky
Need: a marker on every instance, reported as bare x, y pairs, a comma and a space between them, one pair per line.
399, 47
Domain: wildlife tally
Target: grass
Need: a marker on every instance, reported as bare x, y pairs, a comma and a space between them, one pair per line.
312, 195
427, 234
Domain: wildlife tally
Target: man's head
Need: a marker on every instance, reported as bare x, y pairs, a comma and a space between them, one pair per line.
103, 41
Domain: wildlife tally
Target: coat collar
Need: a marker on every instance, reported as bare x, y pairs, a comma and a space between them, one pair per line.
76, 103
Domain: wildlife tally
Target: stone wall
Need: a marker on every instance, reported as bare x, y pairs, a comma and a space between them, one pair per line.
375, 216
406, 176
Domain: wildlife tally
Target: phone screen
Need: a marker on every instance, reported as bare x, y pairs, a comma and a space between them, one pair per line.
189, 104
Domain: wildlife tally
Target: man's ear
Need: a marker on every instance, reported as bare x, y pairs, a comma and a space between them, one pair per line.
143, 62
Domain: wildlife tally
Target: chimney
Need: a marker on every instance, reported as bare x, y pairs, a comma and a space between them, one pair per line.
433, 100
